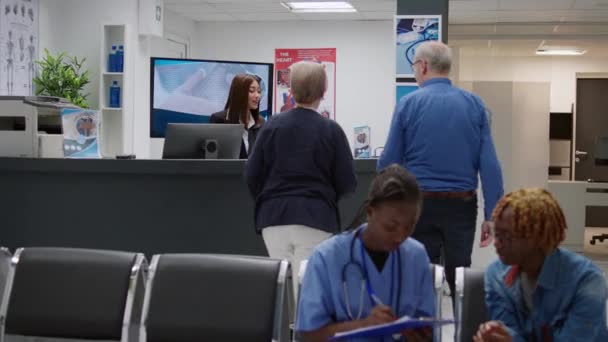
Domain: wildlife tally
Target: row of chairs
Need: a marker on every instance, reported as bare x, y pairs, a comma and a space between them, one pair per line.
88, 294
109, 295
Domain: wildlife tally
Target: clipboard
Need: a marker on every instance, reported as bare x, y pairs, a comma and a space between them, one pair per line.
395, 327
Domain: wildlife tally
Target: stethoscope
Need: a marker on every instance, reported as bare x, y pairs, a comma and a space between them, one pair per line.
365, 283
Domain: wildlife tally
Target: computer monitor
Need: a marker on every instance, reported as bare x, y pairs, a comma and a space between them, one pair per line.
203, 141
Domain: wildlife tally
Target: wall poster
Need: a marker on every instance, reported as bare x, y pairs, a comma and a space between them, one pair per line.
284, 58
18, 46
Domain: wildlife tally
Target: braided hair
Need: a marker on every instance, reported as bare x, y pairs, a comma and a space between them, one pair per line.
536, 216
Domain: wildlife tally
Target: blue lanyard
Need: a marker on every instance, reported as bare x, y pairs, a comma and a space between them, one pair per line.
368, 285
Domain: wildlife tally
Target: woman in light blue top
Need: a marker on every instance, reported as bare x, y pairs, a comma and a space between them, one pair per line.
373, 274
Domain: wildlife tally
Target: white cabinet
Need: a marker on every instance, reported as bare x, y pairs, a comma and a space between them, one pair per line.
113, 120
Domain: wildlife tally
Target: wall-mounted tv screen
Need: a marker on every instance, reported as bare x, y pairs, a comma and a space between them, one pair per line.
189, 90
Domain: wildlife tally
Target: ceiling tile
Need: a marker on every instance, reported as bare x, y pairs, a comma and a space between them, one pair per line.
375, 6
472, 29
211, 17
528, 5
461, 11
329, 16
579, 15
473, 5
591, 4
264, 16
378, 15
251, 7
582, 29
595, 48
528, 17
236, 2
191, 7
524, 30
472, 19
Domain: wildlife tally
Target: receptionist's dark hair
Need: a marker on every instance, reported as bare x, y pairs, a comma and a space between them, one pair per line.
237, 104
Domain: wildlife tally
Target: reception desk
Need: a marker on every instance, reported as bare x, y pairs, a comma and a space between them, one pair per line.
149, 206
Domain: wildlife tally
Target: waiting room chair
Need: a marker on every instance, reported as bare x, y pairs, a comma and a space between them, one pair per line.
71, 293
5, 263
470, 303
210, 297
438, 280
301, 273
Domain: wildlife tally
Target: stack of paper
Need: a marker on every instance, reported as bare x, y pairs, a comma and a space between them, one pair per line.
391, 328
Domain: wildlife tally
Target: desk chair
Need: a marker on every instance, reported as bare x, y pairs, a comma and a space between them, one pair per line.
206, 297
470, 303
70, 293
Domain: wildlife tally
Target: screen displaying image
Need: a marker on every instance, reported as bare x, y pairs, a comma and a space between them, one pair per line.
189, 91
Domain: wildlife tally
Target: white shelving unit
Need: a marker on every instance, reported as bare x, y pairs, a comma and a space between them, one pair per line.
113, 120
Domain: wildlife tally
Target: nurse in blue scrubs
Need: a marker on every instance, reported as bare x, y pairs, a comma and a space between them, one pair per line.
374, 273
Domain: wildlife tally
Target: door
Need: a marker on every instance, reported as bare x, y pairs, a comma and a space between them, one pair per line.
591, 146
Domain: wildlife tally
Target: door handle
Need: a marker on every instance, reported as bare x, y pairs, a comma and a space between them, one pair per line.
580, 153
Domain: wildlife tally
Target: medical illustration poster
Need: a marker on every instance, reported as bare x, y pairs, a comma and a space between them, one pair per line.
18, 46
80, 133
362, 142
410, 32
402, 89
284, 58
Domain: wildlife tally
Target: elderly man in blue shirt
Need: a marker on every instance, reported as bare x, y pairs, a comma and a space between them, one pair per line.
538, 291
441, 134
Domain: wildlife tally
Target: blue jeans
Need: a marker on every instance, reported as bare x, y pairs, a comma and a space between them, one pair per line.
446, 228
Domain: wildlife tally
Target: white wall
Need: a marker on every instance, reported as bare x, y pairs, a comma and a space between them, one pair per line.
75, 26
364, 68
174, 25
559, 71
179, 26
520, 130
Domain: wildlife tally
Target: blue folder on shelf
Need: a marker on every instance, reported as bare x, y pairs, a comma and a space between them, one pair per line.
395, 327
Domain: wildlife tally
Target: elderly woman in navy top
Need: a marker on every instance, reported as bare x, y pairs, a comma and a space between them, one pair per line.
298, 170
373, 274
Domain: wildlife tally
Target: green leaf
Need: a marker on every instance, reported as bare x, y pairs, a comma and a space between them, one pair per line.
61, 75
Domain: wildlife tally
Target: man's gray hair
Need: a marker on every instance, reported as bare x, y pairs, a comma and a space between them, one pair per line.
438, 56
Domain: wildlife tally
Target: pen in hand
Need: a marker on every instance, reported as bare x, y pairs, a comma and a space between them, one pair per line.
377, 300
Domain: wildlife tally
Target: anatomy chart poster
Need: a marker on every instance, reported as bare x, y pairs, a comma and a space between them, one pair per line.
284, 58
18, 46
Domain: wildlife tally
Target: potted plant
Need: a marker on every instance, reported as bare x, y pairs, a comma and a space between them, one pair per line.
62, 76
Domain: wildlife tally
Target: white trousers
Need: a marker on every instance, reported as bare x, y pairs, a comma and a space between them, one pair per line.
293, 243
